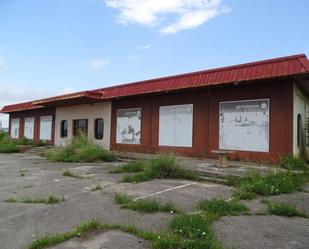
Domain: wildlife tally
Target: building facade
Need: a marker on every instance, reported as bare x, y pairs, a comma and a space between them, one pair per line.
257, 110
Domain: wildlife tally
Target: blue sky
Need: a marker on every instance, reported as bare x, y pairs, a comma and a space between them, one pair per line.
57, 46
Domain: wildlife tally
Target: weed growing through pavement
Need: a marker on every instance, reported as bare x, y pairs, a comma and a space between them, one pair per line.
144, 205
163, 166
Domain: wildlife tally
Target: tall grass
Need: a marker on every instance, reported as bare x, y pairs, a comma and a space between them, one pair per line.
8, 145
80, 149
271, 184
163, 166
293, 163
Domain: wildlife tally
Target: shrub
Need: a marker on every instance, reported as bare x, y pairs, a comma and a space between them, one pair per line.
93, 152
144, 206
293, 163
65, 154
221, 207
8, 148
3, 135
80, 149
284, 209
272, 184
7, 145
160, 167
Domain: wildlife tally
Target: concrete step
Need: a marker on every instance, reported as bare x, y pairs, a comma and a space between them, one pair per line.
38, 150
209, 171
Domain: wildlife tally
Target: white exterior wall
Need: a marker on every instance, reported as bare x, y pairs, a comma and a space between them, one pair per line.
301, 106
87, 111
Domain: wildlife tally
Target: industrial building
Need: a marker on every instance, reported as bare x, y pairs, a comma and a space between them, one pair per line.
257, 110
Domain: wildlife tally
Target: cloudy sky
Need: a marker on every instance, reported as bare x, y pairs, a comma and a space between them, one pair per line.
58, 46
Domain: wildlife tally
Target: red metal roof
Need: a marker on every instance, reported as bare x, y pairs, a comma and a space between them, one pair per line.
273, 68
19, 107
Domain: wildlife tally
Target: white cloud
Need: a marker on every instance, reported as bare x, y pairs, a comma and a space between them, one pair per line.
10, 94
67, 90
99, 63
170, 16
147, 46
133, 58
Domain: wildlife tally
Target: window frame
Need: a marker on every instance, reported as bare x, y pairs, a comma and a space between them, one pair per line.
299, 129
64, 134
96, 127
33, 127
11, 128
75, 128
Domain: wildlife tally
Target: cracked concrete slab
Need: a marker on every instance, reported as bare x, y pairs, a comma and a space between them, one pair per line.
21, 223
263, 232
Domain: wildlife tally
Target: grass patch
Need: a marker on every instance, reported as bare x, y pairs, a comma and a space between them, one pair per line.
11, 200
202, 237
192, 231
157, 168
92, 225
271, 184
49, 200
244, 195
284, 209
71, 174
80, 149
96, 188
220, 207
293, 163
186, 231
29, 186
8, 145
143, 205
132, 167
48, 240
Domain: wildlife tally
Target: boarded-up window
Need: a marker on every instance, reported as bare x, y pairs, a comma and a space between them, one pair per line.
15, 128
29, 128
46, 127
98, 128
175, 125
244, 125
129, 126
80, 127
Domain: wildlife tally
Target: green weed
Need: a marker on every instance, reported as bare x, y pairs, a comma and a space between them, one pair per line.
144, 205
80, 149
221, 207
284, 209
160, 167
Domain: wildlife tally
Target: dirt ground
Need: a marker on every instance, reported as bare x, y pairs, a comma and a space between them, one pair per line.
22, 223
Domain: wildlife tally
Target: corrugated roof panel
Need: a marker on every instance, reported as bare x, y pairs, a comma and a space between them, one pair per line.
279, 67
